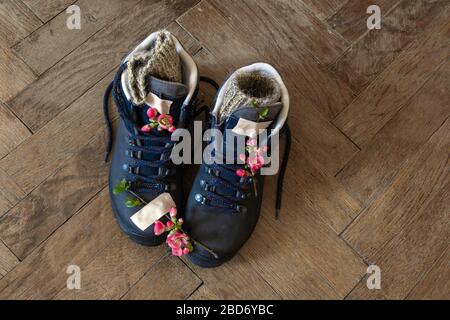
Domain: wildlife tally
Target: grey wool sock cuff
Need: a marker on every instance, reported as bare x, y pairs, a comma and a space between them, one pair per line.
247, 88
162, 62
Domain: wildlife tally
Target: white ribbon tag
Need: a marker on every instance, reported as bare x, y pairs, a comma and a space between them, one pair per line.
250, 128
163, 106
153, 211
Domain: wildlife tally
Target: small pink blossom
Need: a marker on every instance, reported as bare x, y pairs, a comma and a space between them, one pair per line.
252, 142
241, 173
242, 157
147, 128
180, 221
169, 224
255, 163
165, 121
173, 212
152, 112
159, 228
178, 242
172, 129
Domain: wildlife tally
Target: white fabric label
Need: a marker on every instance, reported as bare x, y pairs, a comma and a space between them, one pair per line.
163, 106
250, 128
153, 211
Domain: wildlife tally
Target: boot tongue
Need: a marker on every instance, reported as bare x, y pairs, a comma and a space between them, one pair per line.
167, 98
243, 119
247, 121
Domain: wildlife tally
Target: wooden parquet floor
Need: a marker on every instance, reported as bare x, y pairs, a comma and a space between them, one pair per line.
368, 182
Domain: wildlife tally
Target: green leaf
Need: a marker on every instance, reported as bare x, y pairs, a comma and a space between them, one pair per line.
132, 202
122, 186
254, 104
264, 112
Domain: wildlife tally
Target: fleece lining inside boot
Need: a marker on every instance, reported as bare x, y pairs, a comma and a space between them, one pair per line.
249, 88
161, 61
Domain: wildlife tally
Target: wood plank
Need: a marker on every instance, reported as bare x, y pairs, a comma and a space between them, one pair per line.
29, 223
203, 293
235, 280
324, 8
12, 130
317, 85
43, 273
10, 192
382, 99
169, 279
375, 51
116, 270
7, 260
47, 9
351, 20
30, 164
435, 285
299, 31
45, 47
16, 22
414, 186
374, 168
319, 137
93, 60
192, 45
326, 197
300, 256
15, 75
405, 258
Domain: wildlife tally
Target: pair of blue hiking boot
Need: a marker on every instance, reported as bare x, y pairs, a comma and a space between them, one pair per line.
155, 90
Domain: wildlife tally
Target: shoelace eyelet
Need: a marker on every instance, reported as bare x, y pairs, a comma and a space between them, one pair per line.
127, 168
242, 195
241, 209
201, 199
207, 187
129, 153
212, 172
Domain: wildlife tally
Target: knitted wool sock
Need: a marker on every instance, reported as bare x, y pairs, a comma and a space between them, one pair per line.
162, 62
249, 88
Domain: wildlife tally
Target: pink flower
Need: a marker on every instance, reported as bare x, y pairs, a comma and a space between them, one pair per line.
147, 128
241, 172
242, 157
159, 228
173, 212
255, 163
178, 242
152, 112
180, 221
252, 142
169, 224
165, 121
172, 129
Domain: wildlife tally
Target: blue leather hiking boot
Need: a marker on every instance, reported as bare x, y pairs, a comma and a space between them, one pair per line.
225, 201
154, 90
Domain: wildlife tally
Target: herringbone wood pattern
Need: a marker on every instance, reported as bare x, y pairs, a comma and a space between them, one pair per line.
367, 183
